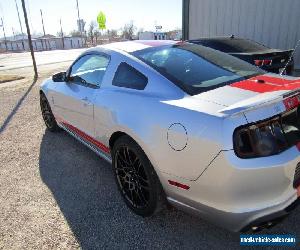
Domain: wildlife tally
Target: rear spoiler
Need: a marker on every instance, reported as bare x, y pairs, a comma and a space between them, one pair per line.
289, 100
269, 52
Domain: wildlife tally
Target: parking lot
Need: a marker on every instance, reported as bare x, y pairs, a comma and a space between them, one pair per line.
56, 193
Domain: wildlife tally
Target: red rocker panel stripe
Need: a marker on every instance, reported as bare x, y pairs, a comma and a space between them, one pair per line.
86, 137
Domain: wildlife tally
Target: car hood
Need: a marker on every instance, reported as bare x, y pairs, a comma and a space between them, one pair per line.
252, 93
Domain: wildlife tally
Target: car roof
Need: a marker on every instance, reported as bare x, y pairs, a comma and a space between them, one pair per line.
131, 46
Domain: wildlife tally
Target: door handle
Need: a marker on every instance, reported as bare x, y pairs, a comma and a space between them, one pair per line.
86, 101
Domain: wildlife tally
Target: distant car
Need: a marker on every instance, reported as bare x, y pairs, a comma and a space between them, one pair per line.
271, 60
183, 123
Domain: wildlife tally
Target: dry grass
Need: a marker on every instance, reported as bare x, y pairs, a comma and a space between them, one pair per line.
9, 78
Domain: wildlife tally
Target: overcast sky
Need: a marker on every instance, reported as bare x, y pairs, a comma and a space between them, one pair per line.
144, 13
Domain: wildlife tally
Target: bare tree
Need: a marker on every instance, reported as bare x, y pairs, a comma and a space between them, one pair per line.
75, 33
128, 30
91, 29
59, 34
97, 34
112, 33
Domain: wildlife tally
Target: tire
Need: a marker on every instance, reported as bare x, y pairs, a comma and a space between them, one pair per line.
47, 114
136, 178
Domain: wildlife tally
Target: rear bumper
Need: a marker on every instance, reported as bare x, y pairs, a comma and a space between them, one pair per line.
239, 193
272, 219
240, 222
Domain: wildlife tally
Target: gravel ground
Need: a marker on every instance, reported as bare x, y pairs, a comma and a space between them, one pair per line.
56, 193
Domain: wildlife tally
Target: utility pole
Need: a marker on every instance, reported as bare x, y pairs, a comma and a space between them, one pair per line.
43, 29
62, 34
15, 38
20, 25
43, 22
13, 31
4, 34
79, 21
29, 40
78, 10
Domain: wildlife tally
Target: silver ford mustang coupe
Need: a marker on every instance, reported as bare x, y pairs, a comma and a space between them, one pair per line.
186, 125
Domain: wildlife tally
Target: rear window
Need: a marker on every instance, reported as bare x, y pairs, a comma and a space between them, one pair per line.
128, 77
234, 45
196, 68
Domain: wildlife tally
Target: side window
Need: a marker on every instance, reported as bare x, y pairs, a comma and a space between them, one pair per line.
128, 77
89, 69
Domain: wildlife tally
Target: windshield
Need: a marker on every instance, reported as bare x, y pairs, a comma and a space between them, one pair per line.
195, 68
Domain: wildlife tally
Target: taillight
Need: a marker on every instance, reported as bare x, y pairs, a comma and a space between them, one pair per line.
260, 139
258, 62
267, 62
262, 62
292, 102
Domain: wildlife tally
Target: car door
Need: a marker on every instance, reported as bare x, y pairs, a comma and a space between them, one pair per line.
73, 99
123, 79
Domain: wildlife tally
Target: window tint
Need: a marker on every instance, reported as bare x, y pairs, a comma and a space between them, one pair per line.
89, 69
234, 45
196, 68
128, 77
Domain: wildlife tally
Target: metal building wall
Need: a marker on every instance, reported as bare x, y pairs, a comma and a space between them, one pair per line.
275, 23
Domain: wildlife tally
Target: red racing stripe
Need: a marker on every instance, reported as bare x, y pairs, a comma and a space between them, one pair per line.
86, 137
270, 84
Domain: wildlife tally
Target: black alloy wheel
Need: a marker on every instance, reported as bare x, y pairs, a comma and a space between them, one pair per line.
47, 114
136, 178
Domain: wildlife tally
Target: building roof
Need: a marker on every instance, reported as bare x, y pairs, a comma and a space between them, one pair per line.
47, 36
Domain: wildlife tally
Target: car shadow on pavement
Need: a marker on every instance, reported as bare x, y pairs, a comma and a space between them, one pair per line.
17, 106
85, 191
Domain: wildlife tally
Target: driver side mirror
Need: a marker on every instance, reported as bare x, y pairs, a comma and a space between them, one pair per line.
59, 77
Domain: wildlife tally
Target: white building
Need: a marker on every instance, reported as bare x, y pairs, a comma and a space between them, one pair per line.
273, 23
149, 35
47, 42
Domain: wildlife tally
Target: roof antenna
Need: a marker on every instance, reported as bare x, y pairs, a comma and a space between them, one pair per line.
290, 58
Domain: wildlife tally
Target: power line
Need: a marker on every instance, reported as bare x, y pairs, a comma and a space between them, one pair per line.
19, 17
43, 22
79, 22
62, 34
29, 15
